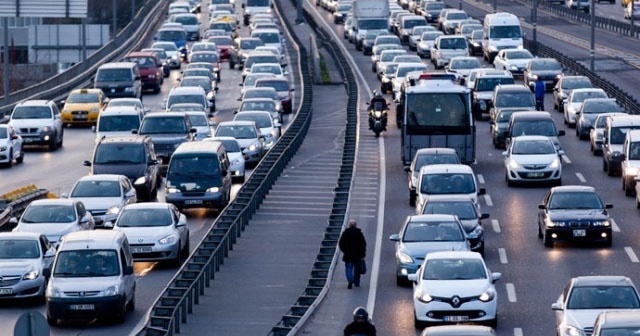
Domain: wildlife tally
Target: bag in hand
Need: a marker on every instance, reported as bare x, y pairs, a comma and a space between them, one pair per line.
362, 267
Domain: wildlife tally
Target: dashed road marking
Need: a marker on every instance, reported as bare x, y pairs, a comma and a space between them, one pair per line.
511, 293
503, 256
496, 225
488, 200
480, 178
581, 178
614, 225
632, 255
566, 159
517, 332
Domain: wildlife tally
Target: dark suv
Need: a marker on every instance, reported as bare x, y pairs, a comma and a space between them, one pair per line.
131, 156
167, 131
573, 213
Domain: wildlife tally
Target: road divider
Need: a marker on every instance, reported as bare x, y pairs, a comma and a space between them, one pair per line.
13, 203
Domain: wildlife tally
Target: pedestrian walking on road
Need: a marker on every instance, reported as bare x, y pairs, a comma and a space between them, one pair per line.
540, 89
353, 246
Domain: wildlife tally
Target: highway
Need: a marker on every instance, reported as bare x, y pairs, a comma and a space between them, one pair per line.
533, 276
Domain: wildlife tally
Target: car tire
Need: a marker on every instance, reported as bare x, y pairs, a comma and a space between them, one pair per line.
604, 165
493, 323
53, 144
153, 193
539, 232
546, 240
177, 262
412, 198
417, 323
20, 158
53, 321
506, 179
608, 242
610, 171
637, 203
121, 312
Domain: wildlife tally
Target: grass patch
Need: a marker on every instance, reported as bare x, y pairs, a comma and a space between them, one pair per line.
324, 73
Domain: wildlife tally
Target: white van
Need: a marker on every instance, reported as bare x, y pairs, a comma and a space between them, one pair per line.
117, 121
91, 277
630, 161
613, 137
446, 179
501, 31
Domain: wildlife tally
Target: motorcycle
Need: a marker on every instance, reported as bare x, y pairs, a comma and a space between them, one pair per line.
378, 118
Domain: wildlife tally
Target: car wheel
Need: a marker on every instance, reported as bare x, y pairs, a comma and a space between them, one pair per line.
539, 232
153, 194
507, 179
412, 198
185, 251
178, 259
610, 171
604, 165
119, 316
417, 323
637, 203
546, 240
493, 323
156, 89
53, 144
52, 320
608, 242
20, 158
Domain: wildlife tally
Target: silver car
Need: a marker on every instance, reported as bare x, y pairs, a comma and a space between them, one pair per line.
595, 133
248, 136
236, 157
156, 231
268, 126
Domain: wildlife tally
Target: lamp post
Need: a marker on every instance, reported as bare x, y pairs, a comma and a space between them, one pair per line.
114, 10
6, 71
495, 6
299, 16
592, 51
534, 23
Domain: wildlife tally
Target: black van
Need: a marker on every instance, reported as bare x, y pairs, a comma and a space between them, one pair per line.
199, 176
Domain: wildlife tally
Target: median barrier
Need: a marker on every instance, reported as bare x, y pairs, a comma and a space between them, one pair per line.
13, 203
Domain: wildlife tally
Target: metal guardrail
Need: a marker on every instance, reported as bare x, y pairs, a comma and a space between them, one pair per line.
184, 290
613, 25
130, 37
624, 99
327, 258
13, 203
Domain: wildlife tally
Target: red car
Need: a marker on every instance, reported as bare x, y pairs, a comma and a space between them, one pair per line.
223, 43
150, 66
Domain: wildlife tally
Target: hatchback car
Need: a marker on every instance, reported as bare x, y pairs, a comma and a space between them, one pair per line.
427, 156
103, 195
453, 287
532, 159
54, 218
548, 69
11, 146
584, 297
574, 213
446, 179
423, 234
573, 104
23, 257
156, 232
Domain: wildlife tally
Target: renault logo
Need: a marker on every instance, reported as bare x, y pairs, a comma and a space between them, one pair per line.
140, 240
456, 301
81, 293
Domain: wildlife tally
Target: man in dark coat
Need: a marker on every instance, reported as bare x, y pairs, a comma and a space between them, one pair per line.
353, 246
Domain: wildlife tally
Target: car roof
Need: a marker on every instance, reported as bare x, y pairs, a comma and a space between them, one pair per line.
180, 90
531, 115
431, 217
458, 330
586, 90
83, 91
602, 280
123, 138
237, 123
450, 198
120, 110
20, 235
446, 168
436, 150
102, 177
512, 87
454, 254
148, 205
34, 102
117, 65
531, 138
91, 239
53, 201
164, 114
569, 188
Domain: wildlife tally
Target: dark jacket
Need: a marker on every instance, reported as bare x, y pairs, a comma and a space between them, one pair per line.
540, 89
375, 100
352, 244
360, 328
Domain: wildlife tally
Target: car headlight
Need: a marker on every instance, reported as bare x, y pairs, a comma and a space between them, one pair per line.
170, 239
513, 67
555, 164
477, 232
174, 57
253, 147
404, 258
128, 89
213, 189
47, 129
551, 223
31, 275
488, 295
514, 165
95, 109
424, 297
604, 223
273, 134
140, 180
568, 330
53, 291
113, 210
112, 290
172, 190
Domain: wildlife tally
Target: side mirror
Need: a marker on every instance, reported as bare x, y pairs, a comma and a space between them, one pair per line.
541, 206
86, 163
108, 224
93, 129
608, 206
13, 220
407, 169
193, 130
50, 253
394, 237
64, 195
128, 270
495, 276
484, 216
561, 133
62, 102
243, 6
482, 191
556, 306
412, 277
134, 131
182, 221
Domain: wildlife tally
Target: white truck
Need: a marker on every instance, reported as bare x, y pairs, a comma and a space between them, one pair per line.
369, 15
501, 31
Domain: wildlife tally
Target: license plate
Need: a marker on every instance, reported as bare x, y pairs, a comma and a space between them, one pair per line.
456, 318
82, 307
140, 249
28, 140
535, 174
80, 117
579, 233
6, 291
193, 202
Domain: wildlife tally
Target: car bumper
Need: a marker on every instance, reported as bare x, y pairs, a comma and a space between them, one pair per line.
37, 139
23, 289
473, 311
404, 269
195, 200
573, 235
82, 118
543, 175
154, 252
67, 308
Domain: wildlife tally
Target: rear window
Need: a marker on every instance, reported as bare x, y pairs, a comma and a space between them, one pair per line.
143, 62
172, 35
114, 75
278, 85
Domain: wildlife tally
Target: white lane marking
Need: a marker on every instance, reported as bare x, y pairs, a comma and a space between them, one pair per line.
496, 225
517, 332
488, 200
503, 256
480, 178
566, 159
511, 293
632, 255
581, 178
614, 225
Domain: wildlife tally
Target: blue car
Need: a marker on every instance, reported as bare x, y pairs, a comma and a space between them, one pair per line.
175, 35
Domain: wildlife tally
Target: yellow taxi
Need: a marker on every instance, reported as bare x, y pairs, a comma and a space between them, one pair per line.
83, 106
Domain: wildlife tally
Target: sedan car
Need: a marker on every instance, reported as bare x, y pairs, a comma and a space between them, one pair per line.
573, 104
267, 125
54, 218
248, 136
590, 109
499, 124
513, 60
584, 297
453, 287
103, 195
423, 234
549, 69
574, 213
11, 146
462, 65
462, 207
427, 156
236, 157
565, 85
427, 39
23, 257
156, 232
532, 159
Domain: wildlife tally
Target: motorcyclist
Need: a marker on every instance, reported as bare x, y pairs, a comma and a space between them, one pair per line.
361, 325
378, 99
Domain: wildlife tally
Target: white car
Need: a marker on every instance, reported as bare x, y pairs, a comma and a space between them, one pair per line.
270, 68
416, 32
462, 65
23, 257
236, 158
513, 60
574, 102
446, 179
423, 48
134, 102
200, 122
172, 51
269, 128
11, 146
156, 231
103, 195
38, 122
54, 218
532, 159
451, 287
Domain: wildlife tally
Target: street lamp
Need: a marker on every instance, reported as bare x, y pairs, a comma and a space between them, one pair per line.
592, 51
534, 23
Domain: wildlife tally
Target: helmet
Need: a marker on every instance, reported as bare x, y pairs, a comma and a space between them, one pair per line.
378, 94
360, 313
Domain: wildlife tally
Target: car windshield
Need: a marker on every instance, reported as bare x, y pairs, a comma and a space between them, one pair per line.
231, 146
429, 159
467, 29
576, 83
186, 20
477, 34
86, 264
82, 98
619, 133
432, 231
387, 40
579, 97
144, 218
261, 120
453, 43
124, 102
96, 189
470, 63
198, 120
490, 83
143, 62
204, 57
250, 44
204, 47
204, 83
600, 107
456, 16
196, 72
238, 132
49, 213
454, 269
172, 35
278, 85
259, 94
268, 37
19, 249
603, 297
194, 173
258, 106
533, 147
402, 71
185, 107
575, 200
166, 46
390, 69
515, 99
546, 65
119, 153
276, 70
163, 125
432, 6
114, 75
118, 123
220, 41
429, 36
31, 112
518, 54
464, 210
447, 184
534, 127
185, 98
499, 32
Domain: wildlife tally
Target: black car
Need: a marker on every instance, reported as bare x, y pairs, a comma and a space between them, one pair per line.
549, 69
167, 131
574, 213
131, 156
